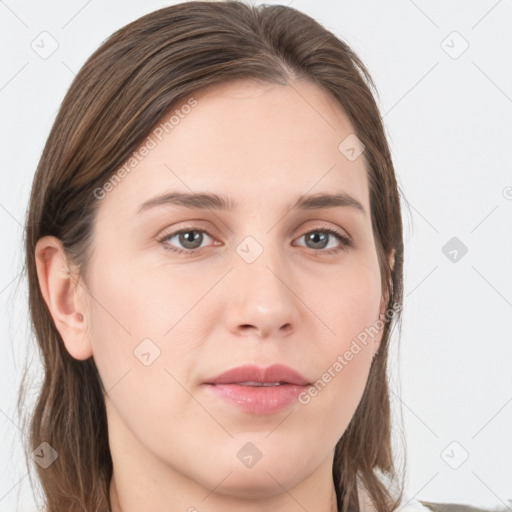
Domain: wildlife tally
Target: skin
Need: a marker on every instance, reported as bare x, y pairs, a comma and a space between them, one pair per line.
174, 445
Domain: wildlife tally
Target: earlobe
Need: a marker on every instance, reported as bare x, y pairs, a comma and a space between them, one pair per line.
63, 296
392, 259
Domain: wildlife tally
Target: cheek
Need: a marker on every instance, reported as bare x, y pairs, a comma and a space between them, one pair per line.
123, 315
348, 305
131, 313
348, 301
344, 368
142, 335
131, 303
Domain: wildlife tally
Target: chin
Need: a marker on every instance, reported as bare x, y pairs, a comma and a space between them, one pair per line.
251, 484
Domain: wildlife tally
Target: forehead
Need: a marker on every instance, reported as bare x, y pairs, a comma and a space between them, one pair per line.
254, 141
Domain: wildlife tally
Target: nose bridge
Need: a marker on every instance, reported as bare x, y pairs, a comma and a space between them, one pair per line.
262, 298
260, 264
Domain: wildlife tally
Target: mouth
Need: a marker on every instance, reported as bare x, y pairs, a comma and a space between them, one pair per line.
257, 390
254, 383
253, 375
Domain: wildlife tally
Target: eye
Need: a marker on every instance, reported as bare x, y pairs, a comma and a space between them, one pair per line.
191, 240
320, 242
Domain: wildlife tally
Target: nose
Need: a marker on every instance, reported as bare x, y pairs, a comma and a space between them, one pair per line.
264, 299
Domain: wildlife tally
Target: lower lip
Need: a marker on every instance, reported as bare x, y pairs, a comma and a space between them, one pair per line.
258, 399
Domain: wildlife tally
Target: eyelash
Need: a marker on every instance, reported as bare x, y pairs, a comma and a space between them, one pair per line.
345, 242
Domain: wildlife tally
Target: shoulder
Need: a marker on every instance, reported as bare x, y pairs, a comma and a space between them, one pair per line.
457, 507
410, 504
413, 505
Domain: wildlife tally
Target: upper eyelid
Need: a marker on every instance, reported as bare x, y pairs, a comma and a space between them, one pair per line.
196, 227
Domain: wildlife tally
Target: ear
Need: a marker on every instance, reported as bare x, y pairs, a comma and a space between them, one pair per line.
384, 300
392, 259
63, 295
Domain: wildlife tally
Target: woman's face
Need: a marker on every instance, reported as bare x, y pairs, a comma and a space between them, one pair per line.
262, 283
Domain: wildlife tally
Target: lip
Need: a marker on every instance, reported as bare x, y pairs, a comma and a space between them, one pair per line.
252, 372
259, 399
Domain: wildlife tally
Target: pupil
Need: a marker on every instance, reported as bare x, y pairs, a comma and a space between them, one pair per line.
190, 239
315, 235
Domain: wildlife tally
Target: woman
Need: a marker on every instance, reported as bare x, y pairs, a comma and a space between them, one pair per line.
214, 253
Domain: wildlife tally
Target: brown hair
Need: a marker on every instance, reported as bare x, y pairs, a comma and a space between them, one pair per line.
127, 85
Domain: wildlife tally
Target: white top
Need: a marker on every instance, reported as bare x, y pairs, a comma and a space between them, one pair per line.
408, 503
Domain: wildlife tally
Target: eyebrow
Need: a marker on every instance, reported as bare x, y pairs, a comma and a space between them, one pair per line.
221, 202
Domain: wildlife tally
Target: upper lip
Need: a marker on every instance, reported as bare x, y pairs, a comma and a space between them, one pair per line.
252, 372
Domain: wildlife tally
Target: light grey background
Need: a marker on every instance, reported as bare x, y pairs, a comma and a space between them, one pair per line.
448, 113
